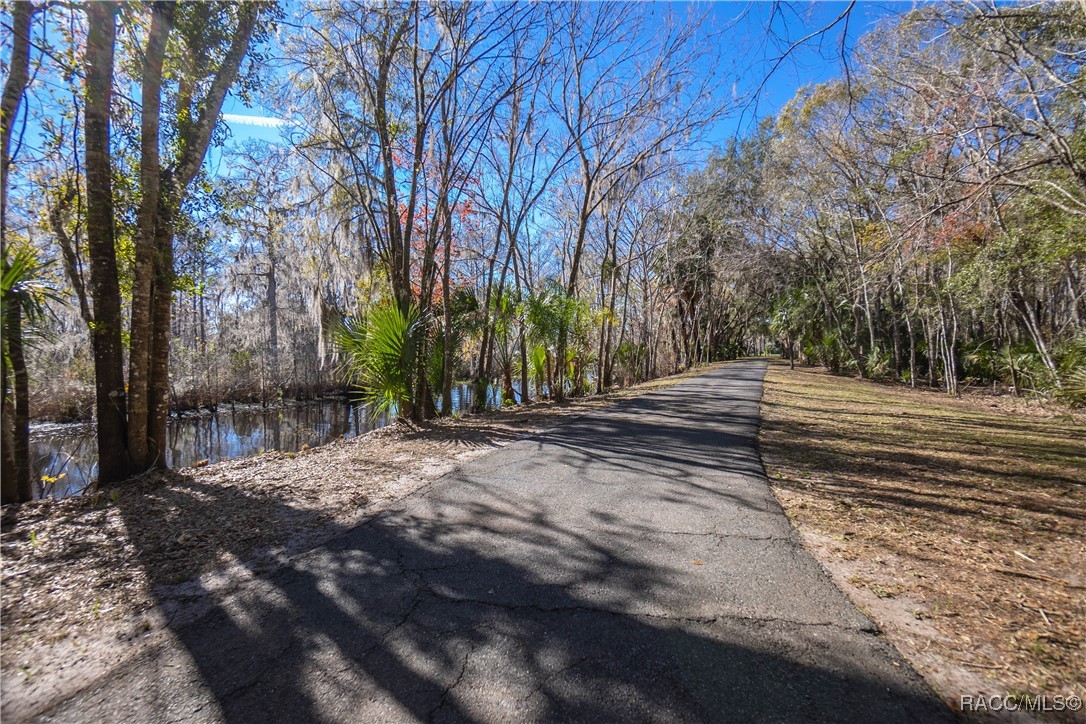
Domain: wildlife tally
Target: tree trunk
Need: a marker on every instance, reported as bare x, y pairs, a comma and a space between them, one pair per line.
9, 490
912, 351
929, 340
571, 287
446, 303
550, 375
622, 324
139, 351
17, 487
896, 333
21, 388
161, 308
608, 364
273, 318
482, 369
523, 366
15, 471
172, 187
507, 375
113, 458
14, 88
1033, 327
522, 331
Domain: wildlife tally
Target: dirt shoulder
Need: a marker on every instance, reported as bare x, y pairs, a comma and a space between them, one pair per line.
957, 525
88, 580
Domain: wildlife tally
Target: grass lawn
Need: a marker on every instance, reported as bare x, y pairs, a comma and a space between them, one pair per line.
958, 525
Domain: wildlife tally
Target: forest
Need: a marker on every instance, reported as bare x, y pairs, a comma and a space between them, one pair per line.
526, 197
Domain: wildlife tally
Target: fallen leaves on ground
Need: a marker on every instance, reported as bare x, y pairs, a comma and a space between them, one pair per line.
75, 568
958, 524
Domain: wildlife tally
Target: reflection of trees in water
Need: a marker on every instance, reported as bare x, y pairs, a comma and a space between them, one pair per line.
464, 395
63, 464
229, 433
246, 431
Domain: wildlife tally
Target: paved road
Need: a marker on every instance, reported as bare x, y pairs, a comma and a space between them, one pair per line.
630, 565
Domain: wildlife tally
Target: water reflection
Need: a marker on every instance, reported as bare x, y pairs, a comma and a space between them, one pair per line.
65, 457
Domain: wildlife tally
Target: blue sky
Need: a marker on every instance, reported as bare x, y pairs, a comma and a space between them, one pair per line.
814, 61
746, 47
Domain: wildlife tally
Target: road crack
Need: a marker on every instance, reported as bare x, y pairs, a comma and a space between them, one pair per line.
459, 677
700, 620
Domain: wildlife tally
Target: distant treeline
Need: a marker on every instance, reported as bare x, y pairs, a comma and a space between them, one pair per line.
925, 215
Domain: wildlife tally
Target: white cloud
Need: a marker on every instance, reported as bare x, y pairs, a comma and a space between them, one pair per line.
235, 119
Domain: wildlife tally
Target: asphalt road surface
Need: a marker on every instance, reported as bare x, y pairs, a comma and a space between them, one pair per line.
629, 565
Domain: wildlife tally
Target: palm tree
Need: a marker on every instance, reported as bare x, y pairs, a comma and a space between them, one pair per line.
23, 295
545, 318
380, 352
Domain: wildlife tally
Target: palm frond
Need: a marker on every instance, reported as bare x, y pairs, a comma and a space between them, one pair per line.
379, 355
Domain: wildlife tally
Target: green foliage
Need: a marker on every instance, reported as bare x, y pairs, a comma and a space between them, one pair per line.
435, 361
1074, 388
465, 309
537, 365
504, 319
629, 356
380, 354
1030, 368
1022, 364
878, 363
1071, 365
242, 362
23, 284
984, 362
827, 349
547, 311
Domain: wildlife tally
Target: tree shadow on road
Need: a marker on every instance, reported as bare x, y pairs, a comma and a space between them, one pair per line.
474, 600
410, 618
